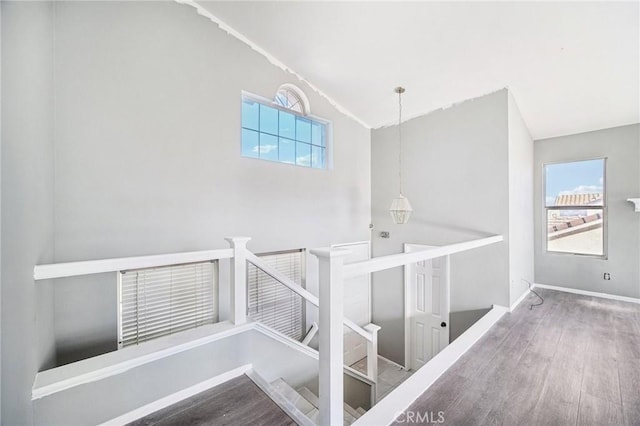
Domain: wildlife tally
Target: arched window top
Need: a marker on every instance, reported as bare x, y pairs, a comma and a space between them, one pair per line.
291, 97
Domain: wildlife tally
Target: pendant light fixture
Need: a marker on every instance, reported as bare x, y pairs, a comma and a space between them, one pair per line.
400, 207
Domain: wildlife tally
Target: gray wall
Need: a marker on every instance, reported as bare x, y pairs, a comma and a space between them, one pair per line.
459, 322
456, 177
621, 145
147, 149
121, 137
27, 204
520, 203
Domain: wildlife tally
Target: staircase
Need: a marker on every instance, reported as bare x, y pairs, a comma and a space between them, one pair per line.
307, 403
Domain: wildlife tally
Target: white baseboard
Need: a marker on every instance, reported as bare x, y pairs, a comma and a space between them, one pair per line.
520, 299
588, 293
386, 411
159, 404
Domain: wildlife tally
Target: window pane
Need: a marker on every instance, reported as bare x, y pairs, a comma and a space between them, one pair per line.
287, 151
268, 120
575, 231
250, 111
268, 147
303, 130
288, 99
250, 143
303, 154
287, 125
317, 133
317, 157
575, 183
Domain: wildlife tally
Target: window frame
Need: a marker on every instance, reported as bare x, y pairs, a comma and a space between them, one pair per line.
603, 207
302, 98
328, 127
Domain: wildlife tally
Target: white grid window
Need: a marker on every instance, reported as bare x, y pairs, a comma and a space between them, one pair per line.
157, 302
280, 131
576, 207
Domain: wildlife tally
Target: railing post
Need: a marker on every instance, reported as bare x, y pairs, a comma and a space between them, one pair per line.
372, 351
238, 290
331, 355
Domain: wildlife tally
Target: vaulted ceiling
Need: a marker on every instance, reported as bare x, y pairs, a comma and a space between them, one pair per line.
572, 66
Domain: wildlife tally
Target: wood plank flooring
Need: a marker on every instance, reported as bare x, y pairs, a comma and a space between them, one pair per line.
236, 402
575, 360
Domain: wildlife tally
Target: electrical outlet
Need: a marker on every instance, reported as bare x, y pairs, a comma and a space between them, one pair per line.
384, 234
607, 276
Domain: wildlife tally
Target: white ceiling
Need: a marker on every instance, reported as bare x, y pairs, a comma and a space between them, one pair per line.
572, 66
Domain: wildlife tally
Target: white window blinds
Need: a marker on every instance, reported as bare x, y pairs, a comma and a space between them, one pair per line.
273, 304
159, 301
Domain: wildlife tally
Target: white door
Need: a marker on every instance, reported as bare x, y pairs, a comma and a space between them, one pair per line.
426, 307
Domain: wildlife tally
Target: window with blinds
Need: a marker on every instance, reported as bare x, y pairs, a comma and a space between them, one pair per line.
272, 303
156, 302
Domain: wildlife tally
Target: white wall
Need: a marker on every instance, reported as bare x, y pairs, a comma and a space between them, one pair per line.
27, 204
121, 136
456, 177
147, 148
520, 203
621, 146
102, 400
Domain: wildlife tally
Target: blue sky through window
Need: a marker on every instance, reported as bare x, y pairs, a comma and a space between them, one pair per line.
577, 177
272, 134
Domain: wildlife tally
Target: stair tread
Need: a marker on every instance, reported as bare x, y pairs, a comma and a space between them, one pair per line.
309, 396
351, 411
348, 418
361, 410
293, 396
350, 414
314, 416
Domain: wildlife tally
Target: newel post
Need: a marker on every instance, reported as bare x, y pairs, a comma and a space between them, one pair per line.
372, 351
238, 290
331, 284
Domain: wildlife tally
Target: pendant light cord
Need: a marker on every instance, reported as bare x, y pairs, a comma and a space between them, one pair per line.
400, 138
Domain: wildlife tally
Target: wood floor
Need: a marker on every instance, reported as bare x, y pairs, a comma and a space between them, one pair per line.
575, 360
236, 402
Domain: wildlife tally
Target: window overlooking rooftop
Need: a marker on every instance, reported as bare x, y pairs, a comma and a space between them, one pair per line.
278, 131
575, 205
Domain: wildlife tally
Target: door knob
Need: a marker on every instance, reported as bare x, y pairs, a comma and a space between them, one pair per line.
443, 324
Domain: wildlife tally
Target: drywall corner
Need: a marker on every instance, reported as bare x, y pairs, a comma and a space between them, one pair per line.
521, 224
27, 205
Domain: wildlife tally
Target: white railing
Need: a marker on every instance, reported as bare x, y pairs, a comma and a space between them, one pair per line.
387, 262
310, 334
301, 291
90, 267
332, 273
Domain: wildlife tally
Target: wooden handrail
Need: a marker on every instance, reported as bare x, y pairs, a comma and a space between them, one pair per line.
300, 291
89, 267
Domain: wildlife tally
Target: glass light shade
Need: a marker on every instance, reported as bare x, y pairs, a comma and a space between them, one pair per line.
400, 210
